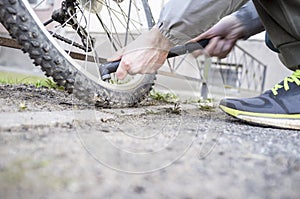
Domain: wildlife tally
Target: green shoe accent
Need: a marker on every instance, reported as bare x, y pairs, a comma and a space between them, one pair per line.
293, 78
285, 121
237, 113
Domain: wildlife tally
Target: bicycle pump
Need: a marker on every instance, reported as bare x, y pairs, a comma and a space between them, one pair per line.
111, 67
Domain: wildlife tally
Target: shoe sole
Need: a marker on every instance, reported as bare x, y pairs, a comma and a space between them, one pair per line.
264, 119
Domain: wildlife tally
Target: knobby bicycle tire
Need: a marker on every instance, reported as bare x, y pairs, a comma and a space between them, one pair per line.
24, 26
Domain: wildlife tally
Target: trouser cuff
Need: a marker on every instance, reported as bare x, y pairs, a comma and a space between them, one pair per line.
290, 55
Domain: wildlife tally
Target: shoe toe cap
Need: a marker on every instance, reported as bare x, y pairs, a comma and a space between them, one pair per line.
230, 103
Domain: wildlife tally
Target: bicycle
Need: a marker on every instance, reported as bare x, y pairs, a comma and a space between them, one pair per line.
67, 48
68, 51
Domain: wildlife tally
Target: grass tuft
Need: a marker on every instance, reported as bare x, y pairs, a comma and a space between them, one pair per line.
164, 97
206, 105
18, 78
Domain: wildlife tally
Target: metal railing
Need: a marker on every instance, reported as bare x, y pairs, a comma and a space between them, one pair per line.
239, 70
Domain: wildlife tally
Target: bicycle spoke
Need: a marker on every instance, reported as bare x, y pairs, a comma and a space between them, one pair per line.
74, 35
108, 33
38, 4
95, 55
128, 20
88, 32
114, 27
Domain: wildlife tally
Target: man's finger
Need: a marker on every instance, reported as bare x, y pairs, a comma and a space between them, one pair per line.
210, 48
206, 35
114, 58
122, 70
197, 53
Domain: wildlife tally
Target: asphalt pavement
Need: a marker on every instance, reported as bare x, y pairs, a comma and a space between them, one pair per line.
146, 152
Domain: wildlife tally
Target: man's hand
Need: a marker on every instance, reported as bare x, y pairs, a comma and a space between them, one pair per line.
144, 55
223, 37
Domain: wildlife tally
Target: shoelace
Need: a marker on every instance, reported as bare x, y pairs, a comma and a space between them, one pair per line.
295, 77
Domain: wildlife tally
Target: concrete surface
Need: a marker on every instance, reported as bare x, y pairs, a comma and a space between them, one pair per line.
144, 152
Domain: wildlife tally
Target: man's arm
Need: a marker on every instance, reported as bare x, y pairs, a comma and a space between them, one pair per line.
182, 20
179, 22
239, 25
250, 20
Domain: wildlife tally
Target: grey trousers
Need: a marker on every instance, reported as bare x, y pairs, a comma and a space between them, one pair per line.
281, 19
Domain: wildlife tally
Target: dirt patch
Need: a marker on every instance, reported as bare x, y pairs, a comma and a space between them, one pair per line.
29, 98
15, 98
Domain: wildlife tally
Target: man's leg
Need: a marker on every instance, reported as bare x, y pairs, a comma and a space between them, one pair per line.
280, 106
281, 20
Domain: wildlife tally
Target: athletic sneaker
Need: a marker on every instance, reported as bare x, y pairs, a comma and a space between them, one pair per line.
278, 107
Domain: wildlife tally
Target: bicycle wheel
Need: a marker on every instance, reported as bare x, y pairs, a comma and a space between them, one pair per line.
83, 35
